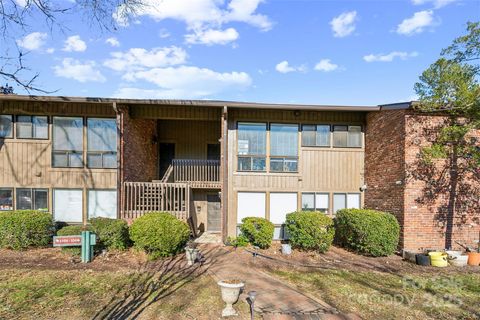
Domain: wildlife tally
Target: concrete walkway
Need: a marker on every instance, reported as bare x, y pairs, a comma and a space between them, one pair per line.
275, 299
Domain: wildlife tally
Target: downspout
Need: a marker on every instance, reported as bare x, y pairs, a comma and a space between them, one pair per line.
224, 171
120, 124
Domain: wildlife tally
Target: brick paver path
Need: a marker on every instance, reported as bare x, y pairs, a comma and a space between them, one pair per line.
275, 299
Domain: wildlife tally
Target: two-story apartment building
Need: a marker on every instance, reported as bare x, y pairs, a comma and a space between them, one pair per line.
210, 163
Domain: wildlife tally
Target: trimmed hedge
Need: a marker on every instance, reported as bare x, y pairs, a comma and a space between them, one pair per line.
20, 230
309, 230
258, 231
112, 233
160, 234
368, 232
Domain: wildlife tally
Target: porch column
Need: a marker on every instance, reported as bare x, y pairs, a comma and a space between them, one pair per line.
120, 112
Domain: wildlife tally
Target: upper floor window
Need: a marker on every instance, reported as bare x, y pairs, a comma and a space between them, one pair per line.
67, 142
347, 136
32, 127
101, 143
6, 130
283, 147
252, 146
314, 135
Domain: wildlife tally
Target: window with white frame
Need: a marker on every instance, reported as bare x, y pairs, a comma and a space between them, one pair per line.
6, 126
252, 146
101, 143
102, 203
281, 204
67, 142
250, 204
32, 127
283, 147
31, 199
346, 201
347, 136
315, 202
68, 205
6, 199
316, 135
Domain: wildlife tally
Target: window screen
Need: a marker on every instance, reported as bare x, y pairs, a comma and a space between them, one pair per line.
339, 201
67, 205
283, 147
308, 201
31, 199
281, 204
6, 126
24, 200
316, 135
102, 203
101, 143
250, 204
67, 142
6, 199
32, 127
251, 146
353, 200
322, 202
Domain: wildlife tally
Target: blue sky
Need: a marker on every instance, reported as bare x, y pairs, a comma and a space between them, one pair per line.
319, 52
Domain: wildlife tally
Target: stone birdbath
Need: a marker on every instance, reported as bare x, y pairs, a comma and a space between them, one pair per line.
230, 292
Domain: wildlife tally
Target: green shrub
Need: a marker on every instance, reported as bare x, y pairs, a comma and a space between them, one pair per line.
112, 233
368, 232
258, 231
159, 234
20, 230
310, 230
240, 241
73, 231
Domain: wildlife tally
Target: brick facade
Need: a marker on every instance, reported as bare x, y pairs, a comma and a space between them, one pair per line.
419, 195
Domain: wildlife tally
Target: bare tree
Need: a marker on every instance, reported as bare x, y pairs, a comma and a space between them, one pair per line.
16, 17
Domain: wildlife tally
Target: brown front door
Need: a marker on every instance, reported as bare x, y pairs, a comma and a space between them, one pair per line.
167, 154
214, 219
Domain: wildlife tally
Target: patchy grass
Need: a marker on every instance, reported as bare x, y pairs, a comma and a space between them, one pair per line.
378, 295
87, 294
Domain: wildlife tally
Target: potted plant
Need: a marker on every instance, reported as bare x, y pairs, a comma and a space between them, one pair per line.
191, 252
230, 292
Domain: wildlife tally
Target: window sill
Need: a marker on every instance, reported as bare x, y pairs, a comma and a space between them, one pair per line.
264, 173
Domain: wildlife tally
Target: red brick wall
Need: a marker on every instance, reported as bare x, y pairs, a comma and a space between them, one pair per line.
421, 199
384, 162
140, 149
428, 199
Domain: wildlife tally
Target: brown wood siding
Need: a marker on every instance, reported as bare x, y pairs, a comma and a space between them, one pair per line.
174, 112
190, 137
329, 170
55, 108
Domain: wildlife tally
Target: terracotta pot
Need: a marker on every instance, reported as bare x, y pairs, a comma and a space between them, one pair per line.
473, 258
230, 293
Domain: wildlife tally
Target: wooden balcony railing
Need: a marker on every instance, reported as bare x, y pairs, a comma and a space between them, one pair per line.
142, 197
196, 171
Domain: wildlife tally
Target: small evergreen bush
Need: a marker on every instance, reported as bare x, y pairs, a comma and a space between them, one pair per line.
160, 234
368, 232
258, 231
112, 233
22, 229
310, 230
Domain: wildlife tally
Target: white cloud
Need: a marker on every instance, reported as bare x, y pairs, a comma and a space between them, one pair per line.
326, 65
436, 3
75, 43
390, 56
50, 50
32, 41
113, 42
344, 24
139, 58
76, 70
284, 67
210, 37
203, 14
183, 82
417, 23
